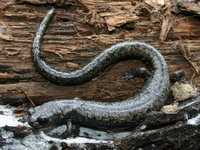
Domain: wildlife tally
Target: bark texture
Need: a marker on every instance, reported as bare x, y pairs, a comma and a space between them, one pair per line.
79, 31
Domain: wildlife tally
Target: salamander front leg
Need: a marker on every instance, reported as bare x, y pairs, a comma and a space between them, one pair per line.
136, 72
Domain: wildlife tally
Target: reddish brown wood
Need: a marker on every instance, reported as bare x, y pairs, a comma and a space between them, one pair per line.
76, 36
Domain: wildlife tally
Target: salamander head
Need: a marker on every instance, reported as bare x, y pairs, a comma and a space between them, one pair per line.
36, 122
42, 116
51, 113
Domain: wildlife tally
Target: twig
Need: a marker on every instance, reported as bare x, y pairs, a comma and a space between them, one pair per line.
193, 75
187, 55
84, 5
106, 70
28, 98
166, 22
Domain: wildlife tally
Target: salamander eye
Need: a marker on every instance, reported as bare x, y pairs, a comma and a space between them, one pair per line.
42, 120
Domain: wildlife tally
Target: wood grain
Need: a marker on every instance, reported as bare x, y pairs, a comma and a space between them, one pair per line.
76, 35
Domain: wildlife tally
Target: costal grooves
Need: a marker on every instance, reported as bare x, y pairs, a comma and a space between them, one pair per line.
126, 113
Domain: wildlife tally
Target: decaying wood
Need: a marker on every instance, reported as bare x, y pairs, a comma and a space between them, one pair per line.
76, 35
79, 31
175, 130
166, 131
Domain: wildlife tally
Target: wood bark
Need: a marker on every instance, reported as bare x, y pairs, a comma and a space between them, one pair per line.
79, 31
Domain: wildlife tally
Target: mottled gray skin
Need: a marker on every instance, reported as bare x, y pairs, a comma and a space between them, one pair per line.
126, 113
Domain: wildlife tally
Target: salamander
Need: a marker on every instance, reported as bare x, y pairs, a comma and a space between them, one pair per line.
126, 113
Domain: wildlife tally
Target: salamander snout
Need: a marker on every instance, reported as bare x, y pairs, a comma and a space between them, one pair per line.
39, 122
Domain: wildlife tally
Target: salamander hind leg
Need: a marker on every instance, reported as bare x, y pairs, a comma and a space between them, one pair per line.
136, 72
178, 76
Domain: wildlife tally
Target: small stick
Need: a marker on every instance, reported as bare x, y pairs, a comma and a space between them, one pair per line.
28, 98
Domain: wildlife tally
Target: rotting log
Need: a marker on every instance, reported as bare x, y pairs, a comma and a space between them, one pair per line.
176, 130
179, 130
77, 34
79, 31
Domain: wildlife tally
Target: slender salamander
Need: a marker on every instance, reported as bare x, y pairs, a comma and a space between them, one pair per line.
152, 96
